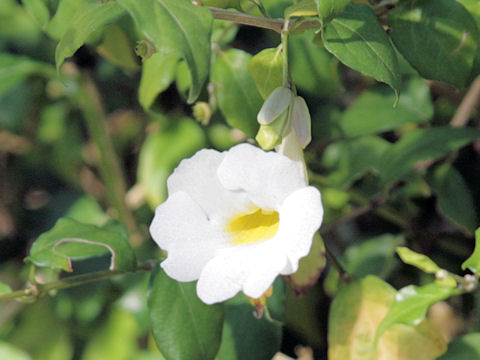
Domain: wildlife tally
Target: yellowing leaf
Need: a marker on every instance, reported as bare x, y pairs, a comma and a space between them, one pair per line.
310, 268
403, 342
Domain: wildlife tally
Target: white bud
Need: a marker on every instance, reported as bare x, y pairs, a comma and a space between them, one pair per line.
276, 103
301, 121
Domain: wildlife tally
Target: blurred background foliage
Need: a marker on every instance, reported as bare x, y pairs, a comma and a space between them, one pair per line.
378, 191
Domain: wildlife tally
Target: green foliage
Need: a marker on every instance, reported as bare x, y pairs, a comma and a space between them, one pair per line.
231, 80
329, 9
465, 347
177, 26
69, 240
358, 40
83, 25
266, 69
418, 260
473, 262
183, 326
440, 29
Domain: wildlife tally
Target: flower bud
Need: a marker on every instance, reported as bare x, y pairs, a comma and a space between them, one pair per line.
301, 121
275, 105
202, 112
271, 135
145, 49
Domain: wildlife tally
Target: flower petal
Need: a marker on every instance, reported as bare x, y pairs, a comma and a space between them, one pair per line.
300, 217
250, 268
181, 228
267, 177
197, 176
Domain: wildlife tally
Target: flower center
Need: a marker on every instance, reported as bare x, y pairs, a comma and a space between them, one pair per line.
254, 227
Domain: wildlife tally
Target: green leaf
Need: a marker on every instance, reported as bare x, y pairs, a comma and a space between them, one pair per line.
158, 72
437, 37
67, 11
355, 158
4, 288
359, 41
314, 70
473, 6
329, 9
83, 25
223, 4
10, 352
266, 69
183, 326
176, 142
302, 9
454, 198
16, 69
115, 340
117, 48
235, 90
422, 144
246, 337
177, 26
38, 10
411, 304
70, 240
466, 347
420, 261
473, 262
372, 112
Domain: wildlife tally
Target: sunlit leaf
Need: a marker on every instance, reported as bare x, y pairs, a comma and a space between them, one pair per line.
355, 314
411, 304
70, 240
38, 10
83, 25
301, 9
359, 41
466, 347
176, 142
372, 112
328, 9
422, 144
437, 37
454, 198
473, 262
235, 90
117, 48
4, 288
266, 70
10, 352
420, 261
310, 268
183, 326
177, 26
158, 72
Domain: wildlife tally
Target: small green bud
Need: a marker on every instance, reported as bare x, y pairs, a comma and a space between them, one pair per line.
145, 49
271, 135
202, 112
275, 105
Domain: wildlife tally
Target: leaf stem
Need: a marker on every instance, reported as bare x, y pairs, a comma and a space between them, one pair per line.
88, 98
34, 291
276, 25
344, 275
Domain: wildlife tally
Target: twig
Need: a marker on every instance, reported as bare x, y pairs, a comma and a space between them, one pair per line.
469, 102
112, 173
260, 22
38, 290
344, 275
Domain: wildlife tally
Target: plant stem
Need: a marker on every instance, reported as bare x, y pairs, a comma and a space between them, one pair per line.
257, 21
111, 171
344, 275
38, 290
385, 212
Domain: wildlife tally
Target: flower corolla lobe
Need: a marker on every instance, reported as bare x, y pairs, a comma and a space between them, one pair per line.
236, 220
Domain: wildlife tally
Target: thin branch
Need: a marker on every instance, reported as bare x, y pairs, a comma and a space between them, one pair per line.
34, 291
260, 22
468, 104
344, 275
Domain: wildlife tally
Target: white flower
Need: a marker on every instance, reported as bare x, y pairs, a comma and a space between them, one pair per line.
236, 220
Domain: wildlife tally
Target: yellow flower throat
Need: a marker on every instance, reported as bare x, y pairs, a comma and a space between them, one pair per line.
253, 227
